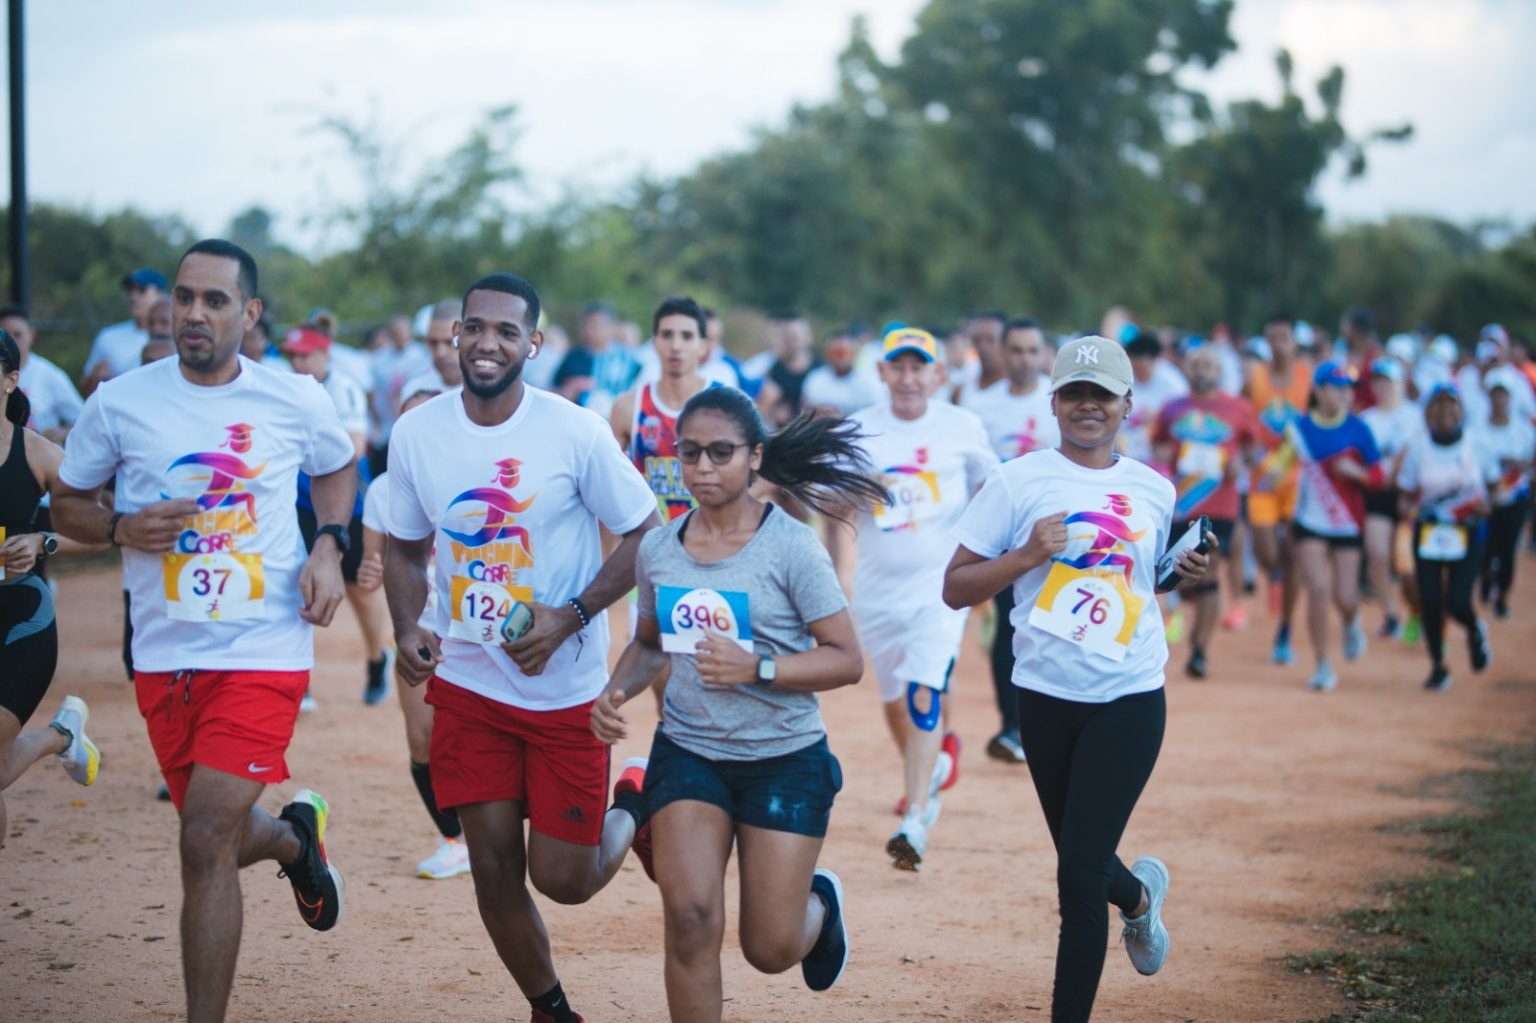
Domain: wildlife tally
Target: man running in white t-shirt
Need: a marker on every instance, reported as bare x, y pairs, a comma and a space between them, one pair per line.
511, 483
1017, 414
934, 456
206, 449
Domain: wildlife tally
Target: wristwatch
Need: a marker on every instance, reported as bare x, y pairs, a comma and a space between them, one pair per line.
50, 544
337, 533
767, 670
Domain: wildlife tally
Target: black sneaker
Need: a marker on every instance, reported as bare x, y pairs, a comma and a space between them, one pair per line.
824, 964
378, 681
1501, 609
1477, 647
1195, 668
1439, 679
317, 886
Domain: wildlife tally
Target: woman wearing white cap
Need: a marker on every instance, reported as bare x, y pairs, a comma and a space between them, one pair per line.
1442, 477
1507, 443
1077, 531
1394, 423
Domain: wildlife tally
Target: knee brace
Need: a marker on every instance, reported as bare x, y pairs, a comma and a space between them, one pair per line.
926, 720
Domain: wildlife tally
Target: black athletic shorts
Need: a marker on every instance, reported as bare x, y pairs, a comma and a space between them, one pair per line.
792, 792
1336, 543
1381, 502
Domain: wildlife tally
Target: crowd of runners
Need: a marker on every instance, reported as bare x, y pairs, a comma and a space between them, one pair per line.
481, 489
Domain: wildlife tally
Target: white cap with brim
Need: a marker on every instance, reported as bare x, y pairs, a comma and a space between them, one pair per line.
1093, 360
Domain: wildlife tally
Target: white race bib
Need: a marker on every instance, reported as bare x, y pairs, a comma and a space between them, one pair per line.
479, 608
914, 500
1202, 461
1095, 610
1442, 541
218, 587
685, 616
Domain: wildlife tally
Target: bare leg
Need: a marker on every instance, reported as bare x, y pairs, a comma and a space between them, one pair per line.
919, 751
571, 874
372, 619
418, 720
692, 841
1346, 581
778, 929
1378, 552
1316, 573
221, 829
1208, 605
498, 862
19, 751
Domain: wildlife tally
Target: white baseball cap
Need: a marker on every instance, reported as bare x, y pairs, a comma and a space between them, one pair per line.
1095, 360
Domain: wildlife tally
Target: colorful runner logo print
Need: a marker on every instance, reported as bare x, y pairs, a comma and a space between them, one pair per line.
491, 512
217, 480
914, 495
1106, 551
208, 578
1022, 443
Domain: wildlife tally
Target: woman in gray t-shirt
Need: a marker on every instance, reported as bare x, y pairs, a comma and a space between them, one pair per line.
741, 601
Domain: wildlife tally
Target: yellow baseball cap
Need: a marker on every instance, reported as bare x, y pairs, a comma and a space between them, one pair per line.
910, 339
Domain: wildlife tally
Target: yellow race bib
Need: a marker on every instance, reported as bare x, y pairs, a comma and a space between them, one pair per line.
480, 606
1096, 610
218, 587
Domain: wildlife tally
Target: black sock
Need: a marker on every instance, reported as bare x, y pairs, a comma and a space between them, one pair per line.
376, 674
553, 1004
446, 820
635, 804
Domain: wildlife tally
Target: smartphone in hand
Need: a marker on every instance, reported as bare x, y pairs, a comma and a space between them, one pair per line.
517, 623
1196, 538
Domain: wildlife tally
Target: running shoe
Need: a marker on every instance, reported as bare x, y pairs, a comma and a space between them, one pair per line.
450, 859
1005, 746
951, 745
1501, 609
824, 964
379, 672
1195, 666
632, 779
1236, 618
1413, 631
540, 1016
1354, 640
1390, 628
317, 884
907, 847
81, 758
1324, 679
1174, 631
308, 705
1477, 648
1145, 937
1439, 679
1281, 654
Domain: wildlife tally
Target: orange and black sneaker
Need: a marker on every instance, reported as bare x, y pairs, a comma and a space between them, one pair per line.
317, 885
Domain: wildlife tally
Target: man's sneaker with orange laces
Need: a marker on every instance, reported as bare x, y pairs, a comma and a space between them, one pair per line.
317, 885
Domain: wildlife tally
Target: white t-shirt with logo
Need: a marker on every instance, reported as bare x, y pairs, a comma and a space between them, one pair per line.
1016, 423
1515, 441
55, 401
932, 465
847, 393
515, 511
1442, 476
1086, 623
350, 401
227, 596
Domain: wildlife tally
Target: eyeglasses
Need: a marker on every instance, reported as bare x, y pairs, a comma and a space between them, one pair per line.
720, 452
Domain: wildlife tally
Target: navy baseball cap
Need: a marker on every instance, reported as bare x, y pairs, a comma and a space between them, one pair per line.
145, 277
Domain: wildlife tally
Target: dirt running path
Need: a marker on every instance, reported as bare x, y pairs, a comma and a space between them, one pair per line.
1268, 805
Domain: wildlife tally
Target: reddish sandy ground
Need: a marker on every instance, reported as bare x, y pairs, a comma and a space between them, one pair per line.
1269, 805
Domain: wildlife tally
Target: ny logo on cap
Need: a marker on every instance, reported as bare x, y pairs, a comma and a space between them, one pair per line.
1088, 354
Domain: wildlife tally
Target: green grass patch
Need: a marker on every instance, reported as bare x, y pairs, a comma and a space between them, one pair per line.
1458, 945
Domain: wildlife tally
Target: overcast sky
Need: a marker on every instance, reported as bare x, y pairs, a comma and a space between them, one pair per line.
177, 106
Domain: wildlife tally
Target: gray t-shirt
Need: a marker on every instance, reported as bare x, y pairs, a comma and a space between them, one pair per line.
762, 596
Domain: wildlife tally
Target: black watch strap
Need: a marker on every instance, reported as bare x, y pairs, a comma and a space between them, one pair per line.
337, 533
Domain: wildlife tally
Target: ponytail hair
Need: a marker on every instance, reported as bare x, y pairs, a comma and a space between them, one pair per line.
816, 458
17, 408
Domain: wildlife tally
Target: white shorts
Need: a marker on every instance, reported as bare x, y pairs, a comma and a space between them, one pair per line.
905, 650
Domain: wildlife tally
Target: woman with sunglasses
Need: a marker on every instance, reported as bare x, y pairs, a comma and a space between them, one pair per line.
1077, 531
741, 602
1442, 479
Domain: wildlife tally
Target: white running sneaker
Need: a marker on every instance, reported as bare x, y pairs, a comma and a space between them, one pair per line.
81, 758
1145, 937
308, 705
1324, 679
943, 767
1354, 640
910, 843
450, 859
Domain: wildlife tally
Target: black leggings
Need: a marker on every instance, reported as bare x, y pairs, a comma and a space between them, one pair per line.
29, 645
1504, 526
1002, 662
1089, 763
1445, 588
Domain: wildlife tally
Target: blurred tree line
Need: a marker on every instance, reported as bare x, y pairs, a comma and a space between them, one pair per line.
1040, 156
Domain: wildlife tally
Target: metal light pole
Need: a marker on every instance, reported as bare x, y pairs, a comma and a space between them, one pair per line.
21, 277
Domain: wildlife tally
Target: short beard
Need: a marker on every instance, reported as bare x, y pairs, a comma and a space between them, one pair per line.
496, 388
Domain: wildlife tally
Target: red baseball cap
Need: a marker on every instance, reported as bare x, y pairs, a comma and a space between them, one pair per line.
304, 340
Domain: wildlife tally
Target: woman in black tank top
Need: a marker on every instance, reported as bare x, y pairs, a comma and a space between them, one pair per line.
29, 639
